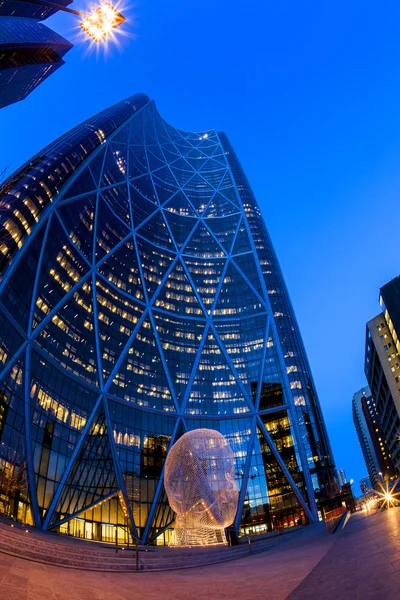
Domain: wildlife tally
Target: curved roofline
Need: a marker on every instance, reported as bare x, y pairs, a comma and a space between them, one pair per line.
183, 131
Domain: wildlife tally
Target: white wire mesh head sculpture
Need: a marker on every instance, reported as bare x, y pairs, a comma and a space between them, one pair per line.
201, 489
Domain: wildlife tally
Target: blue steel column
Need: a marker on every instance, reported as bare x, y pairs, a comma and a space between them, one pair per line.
67, 471
28, 440
117, 467
159, 486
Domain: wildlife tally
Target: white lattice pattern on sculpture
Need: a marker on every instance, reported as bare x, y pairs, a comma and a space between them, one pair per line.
199, 481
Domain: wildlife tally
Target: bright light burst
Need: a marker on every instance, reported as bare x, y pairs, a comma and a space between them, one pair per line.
102, 22
388, 495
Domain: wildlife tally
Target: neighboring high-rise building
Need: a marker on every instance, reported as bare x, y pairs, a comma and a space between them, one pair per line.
372, 441
140, 297
382, 366
29, 51
342, 477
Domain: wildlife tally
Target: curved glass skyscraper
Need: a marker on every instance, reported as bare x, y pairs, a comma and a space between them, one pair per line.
140, 298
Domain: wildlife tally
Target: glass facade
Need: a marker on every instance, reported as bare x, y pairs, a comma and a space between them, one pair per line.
29, 50
140, 297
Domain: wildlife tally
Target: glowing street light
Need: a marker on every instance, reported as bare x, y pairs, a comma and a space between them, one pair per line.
102, 21
388, 495
98, 25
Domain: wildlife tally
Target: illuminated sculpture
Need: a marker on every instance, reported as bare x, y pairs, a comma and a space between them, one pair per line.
199, 481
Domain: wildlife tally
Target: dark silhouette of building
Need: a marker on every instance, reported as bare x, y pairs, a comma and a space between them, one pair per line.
382, 367
29, 50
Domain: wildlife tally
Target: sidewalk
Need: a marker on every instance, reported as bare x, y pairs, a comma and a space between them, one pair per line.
363, 564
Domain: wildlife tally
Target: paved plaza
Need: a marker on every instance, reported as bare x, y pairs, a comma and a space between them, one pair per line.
363, 563
360, 563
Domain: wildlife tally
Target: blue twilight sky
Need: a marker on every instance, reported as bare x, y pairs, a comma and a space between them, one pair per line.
309, 94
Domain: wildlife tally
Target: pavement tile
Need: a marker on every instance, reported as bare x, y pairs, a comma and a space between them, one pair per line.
12, 592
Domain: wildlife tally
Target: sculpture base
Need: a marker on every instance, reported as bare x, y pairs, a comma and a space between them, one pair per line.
200, 536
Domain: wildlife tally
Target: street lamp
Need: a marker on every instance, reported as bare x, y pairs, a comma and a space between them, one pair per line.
388, 495
102, 21
97, 25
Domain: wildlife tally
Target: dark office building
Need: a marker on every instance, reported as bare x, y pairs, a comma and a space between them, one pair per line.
382, 366
372, 441
29, 51
140, 297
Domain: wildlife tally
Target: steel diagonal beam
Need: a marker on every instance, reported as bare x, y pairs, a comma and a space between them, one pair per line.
117, 467
245, 480
117, 290
218, 190
96, 332
159, 486
59, 305
160, 531
196, 293
96, 216
13, 360
128, 162
136, 177
262, 366
219, 286
164, 362
15, 323
64, 202
28, 440
189, 237
26, 242
225, 252
170, 231
198, 150
274, 409
157, 209
285, 470
110, 208
247, 280
151, 177
77, 250
70, 374
233, 368
125, 350
67, 471
86, 508
195, 367
38, 271
138, 259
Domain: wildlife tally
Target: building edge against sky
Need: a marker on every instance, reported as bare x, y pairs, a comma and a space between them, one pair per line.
141, 297
382, 366
30, 51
